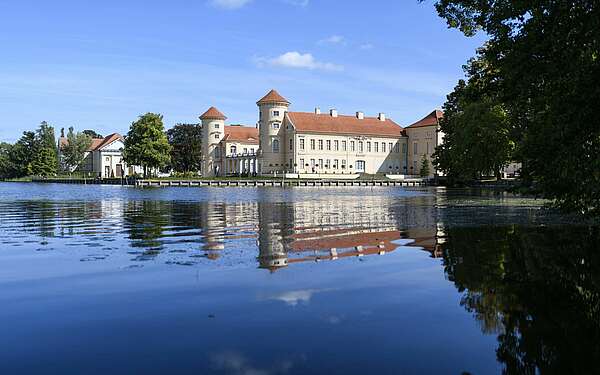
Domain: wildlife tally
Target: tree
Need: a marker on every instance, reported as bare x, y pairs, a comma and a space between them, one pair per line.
92, 134
185, 141
7, 169
478, 137
146, 143
23, 153
45, 159
74, 150
425, 170
547, 57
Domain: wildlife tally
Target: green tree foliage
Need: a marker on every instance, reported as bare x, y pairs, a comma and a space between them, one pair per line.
478, 137
7, 169
546, 55
23, 154
74, 150
425, 170
45, 158
186, 141
146, 143
92, 133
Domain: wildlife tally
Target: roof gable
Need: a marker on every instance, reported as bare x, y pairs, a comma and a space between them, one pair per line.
431, 119
325, 123
108, 140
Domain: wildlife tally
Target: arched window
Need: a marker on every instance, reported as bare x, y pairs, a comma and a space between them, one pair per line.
276, 146
233, 150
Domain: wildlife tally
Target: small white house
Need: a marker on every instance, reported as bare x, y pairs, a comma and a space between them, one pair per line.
104, 158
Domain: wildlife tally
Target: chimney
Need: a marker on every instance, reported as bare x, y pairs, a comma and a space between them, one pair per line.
360, 115
333, 112
317, 111
381, 117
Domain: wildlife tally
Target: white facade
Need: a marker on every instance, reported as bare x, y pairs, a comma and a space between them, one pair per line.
317, 143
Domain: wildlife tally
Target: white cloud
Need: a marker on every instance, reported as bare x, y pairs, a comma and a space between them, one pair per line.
294, 297
298, 60
334, 39
229, 4
366, 46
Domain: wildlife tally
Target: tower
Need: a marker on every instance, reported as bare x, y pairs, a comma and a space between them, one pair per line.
213, 131
272, 157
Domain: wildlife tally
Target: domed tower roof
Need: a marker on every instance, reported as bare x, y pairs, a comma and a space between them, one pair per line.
272, 97
213, 114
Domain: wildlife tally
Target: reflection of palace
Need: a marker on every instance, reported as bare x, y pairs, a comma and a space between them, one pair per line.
317, 230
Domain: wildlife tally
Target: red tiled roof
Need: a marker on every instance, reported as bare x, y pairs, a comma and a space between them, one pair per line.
325, 123
372, 239
431, 119
242, 134
213, 114
273, 97
96, 144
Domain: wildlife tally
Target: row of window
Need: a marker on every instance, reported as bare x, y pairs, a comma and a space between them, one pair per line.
354, 146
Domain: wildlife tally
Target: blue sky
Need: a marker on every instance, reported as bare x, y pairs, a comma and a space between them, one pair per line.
98, 65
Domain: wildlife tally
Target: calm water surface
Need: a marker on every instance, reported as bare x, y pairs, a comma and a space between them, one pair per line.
97, 280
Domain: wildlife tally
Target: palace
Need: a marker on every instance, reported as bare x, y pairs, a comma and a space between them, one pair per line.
316, 144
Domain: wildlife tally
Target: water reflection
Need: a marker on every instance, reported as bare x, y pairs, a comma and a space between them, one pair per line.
536, 288
530, 282
185, 232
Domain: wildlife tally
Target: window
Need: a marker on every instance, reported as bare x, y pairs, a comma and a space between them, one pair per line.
360, 166
336, 145
216, 136
217, 126
320, 144
302, 163
391, 146
245, 151
233, 150
328, 143
343, 145
275, 146
312, 163
276, 125
343, 164
301, 143
320, 163
327, 163
415, 148
368, 146
352, 146
291, 144
276, 113
312, 144
404, 148
383, 147
396, 148
376, 146
335, 164
360, 146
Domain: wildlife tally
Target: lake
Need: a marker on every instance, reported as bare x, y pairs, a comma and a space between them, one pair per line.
122, 280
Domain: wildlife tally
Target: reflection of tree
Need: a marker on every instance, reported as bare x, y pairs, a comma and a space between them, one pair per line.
537, 288
145, 222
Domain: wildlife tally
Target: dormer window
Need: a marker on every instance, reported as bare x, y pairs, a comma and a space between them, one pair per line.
276, 113
216, 126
